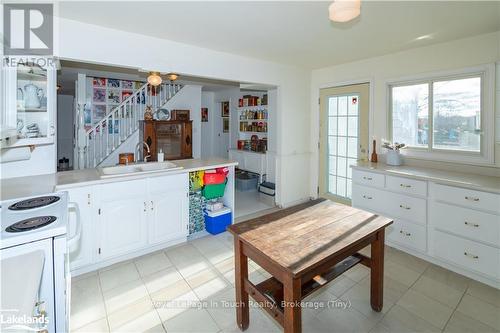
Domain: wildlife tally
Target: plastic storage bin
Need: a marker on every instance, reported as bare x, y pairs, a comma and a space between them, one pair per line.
217, 222
246, 181
214, 191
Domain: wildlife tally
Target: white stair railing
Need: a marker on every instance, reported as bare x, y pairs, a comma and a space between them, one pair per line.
123, 120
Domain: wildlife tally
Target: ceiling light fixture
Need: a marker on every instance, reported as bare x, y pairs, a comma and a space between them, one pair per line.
154, 79
344, 10
172, 76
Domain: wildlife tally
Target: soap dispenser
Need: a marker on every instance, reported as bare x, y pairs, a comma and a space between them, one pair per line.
161, 156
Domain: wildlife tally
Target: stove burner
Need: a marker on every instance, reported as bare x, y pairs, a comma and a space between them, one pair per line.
31, 223
34, 202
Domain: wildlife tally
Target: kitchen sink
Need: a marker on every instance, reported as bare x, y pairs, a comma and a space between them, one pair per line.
137, 168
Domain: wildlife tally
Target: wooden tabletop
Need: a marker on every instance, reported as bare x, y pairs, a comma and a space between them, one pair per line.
309, 234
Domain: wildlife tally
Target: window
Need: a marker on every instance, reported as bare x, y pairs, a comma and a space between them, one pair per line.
443, 116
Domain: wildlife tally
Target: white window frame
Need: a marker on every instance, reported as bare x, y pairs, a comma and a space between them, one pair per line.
486, 154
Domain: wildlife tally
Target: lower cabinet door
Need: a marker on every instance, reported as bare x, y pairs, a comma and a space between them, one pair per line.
122, 218
168, 208
408, 234
468, 254
83, 254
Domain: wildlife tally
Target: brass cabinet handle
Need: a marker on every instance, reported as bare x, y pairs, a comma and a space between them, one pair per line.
471, 198
405, 233
473, 256
367, 197
404, 207
152, 207
475, 225
145, 206
405, 185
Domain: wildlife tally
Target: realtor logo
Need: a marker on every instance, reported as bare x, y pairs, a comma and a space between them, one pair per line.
28, 29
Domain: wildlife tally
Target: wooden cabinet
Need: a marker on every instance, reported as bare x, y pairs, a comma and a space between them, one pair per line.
122, 217
168, 208
83, 255
173, 137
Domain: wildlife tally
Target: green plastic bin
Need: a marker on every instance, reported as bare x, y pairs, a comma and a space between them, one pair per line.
213, 191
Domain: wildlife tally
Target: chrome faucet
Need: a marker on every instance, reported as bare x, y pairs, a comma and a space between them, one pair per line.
137, 149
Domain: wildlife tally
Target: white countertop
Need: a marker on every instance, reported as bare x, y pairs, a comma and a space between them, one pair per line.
12, 188
468, 180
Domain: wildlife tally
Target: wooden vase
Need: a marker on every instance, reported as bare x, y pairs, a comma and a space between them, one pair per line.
374, 157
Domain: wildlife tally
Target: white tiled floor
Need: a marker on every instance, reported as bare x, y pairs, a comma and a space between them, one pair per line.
247, 203
162, 292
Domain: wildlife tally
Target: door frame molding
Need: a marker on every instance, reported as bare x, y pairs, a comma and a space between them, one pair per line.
371, 115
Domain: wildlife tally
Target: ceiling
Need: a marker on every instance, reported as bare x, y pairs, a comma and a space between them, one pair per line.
69, 73
296, 33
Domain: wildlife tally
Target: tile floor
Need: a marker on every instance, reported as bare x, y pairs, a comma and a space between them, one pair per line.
247, 203
188, 288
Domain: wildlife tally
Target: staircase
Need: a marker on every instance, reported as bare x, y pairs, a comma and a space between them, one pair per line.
98, 142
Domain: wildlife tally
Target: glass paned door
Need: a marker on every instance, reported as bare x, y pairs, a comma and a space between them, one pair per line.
344, 138
343, 144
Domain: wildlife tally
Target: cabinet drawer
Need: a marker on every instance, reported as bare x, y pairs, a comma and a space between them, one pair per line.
466, 197
468, 254
370, 198
368, 178
467, 222
406, 207
408, 234
406, 185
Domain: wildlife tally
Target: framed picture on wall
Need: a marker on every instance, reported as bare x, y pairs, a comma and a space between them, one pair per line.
225, 125
113, 97
225, 109
127, 84
113, 83
99, 95
204, 115
99, 82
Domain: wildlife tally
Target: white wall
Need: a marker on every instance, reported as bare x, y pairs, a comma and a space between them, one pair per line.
453, 55
65, 127
109, 46
189, 98
207, 128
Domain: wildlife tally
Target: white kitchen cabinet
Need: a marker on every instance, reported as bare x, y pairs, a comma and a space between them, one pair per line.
249, 161
83, 254
451, 226
30, 100
122, 218
167, 208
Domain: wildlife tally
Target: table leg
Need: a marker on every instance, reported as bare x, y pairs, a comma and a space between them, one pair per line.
241, 274
292, 309
377, 272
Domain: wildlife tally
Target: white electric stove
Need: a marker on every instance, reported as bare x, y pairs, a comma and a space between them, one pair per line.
34, 261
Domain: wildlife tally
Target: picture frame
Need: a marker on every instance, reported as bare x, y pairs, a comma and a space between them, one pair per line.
113, 83
225, 109
113, 97
204, 115
99, 82
126, 84
99, 95
225, 125
126, 94
99, 111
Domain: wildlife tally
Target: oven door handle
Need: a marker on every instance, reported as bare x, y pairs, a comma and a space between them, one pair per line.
74, 240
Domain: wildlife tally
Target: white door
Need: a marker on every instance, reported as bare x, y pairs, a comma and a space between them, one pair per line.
82, 255
123, 213
168, 208
343, 137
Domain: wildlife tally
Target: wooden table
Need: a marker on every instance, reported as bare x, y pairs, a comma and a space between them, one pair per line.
303, 248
